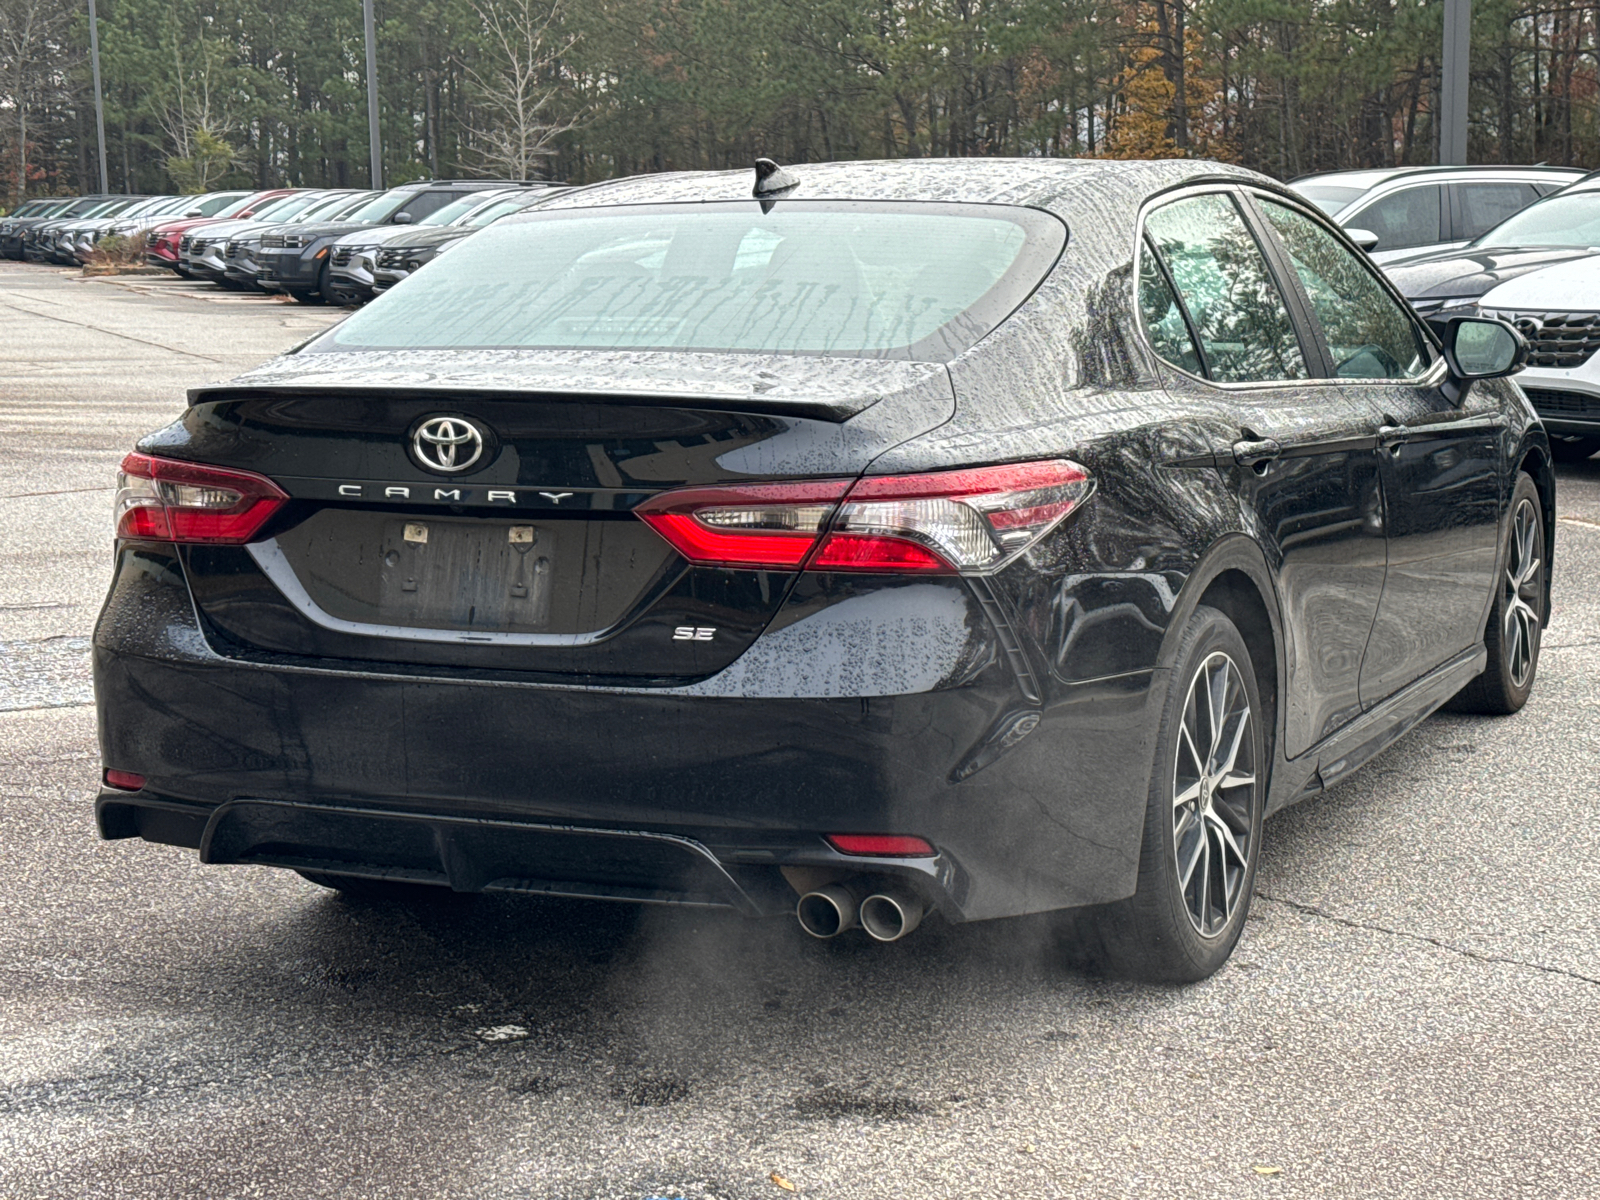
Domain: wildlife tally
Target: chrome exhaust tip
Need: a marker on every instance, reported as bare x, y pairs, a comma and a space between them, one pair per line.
889, 915
827, 912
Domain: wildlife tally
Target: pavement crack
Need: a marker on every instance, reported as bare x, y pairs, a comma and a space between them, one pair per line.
62, 492
127, 337
1312, 910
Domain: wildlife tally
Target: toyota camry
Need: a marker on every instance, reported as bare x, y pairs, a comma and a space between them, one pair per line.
858, 541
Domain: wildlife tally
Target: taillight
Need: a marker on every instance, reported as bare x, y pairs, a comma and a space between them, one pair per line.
763, 525
968, 521
161, 499
125, 781
881, 845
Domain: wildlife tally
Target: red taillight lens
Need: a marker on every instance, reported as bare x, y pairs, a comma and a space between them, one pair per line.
881, 845
161, 499
969, 521
771, 525
125, 781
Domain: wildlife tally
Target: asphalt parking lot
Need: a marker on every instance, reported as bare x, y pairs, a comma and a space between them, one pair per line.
1414, 1011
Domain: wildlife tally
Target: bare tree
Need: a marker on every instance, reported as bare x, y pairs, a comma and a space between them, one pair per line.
199, 114
517, 84
27, 30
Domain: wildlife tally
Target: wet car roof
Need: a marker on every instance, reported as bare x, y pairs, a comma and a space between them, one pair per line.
1056, 184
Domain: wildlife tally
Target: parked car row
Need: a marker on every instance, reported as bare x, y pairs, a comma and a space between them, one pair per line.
1537, 267
319, 245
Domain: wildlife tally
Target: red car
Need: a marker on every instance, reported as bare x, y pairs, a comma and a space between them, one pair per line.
162, 246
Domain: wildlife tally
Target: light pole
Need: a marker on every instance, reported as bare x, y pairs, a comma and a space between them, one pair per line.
372, 95
99, 105
1453, 82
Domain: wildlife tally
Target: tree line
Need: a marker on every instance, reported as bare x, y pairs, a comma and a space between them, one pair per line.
206, 93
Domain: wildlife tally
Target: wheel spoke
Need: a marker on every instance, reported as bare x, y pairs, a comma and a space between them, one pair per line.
1227, 840
1226, 768
1197, 848
1204, 912
1188, 796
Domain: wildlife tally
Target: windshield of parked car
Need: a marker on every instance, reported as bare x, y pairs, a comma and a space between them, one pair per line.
381, 209
1568, 219
454, 211
229, 208
338, 208
1329, 197
858, 279
490, 213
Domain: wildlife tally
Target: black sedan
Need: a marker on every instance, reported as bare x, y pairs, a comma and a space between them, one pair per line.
853, 541
1555, 230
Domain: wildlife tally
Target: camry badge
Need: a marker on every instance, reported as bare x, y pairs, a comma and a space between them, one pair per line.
447, 444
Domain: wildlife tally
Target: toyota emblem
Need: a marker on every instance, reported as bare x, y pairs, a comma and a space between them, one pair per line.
448, 444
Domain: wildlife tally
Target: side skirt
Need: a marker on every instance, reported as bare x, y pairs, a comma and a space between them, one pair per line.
1377, 729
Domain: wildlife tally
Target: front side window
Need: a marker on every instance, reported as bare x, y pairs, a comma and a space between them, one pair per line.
1246, 334
1482, 206
1369, 335
1402, 219
426, 204
919, 281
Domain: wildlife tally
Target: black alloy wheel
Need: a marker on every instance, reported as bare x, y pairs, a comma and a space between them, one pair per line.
1515, 628
1202, 835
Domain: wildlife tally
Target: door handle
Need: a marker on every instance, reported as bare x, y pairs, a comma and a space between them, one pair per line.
1256, 452
1392, 437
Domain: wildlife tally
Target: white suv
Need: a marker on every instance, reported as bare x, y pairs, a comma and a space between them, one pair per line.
1408, 210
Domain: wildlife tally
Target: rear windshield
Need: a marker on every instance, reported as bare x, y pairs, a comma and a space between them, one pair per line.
1567, 219
857, 279
1330, 198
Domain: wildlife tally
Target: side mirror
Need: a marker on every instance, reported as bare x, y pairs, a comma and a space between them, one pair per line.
1479, 348
404, 218
1364, 238
194, 212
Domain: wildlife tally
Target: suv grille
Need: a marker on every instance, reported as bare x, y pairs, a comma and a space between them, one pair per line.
1550, 403
1562, 340
199, 244
341, 256
390, 259
185, 242
233, 249
152, 239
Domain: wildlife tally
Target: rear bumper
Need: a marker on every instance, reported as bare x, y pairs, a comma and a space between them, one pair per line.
1031, 806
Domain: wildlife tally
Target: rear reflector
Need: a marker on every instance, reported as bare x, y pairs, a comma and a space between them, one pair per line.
969, 522
880, 845
164, 500
126, 781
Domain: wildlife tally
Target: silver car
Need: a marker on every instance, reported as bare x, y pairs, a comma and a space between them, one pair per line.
1408, 210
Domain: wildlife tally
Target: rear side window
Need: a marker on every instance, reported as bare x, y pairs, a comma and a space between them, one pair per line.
1402, 219
858, 279
1233, 303
1163, 318
1482, 206
1369, 335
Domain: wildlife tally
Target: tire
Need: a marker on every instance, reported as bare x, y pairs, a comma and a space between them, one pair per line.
384, 891
307, 297
332, 294
1184, 920
1515, 628
1577, 450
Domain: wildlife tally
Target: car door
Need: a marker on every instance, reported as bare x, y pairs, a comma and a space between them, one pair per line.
1299, 454
1439, 460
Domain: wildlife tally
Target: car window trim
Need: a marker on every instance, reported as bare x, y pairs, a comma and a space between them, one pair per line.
1149, 247
1428, 377
1141, 240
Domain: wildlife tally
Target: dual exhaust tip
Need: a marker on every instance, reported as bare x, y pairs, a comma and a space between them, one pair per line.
886, 913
